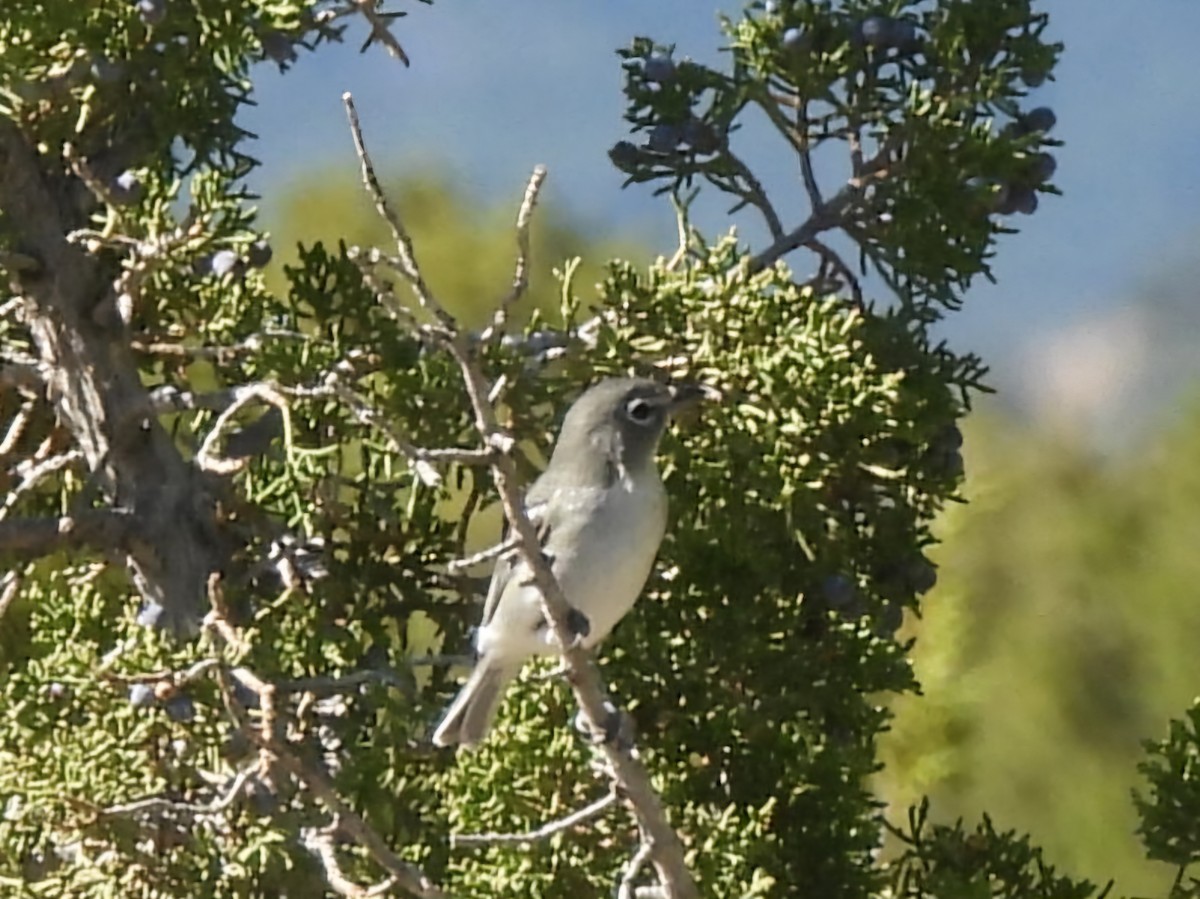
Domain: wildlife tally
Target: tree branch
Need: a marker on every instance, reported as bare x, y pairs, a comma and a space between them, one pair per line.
634, 782
320, 844
102, 529
93, 382
547, 830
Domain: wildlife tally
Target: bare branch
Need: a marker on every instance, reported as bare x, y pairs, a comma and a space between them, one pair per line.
270, 738
626, 888
521, 276
320, 844
404, 247
20, 421
547, 830
207, 458
405, 875
830, 256
485, 555
159, 804
824, 219
102, 529
806, 166
754, 194
34, 473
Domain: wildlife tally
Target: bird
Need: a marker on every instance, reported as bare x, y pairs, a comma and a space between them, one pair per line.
600, 510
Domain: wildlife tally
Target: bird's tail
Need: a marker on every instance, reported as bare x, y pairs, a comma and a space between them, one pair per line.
470, 716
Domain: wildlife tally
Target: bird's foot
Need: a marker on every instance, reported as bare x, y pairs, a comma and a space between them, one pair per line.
616, 729
579, 625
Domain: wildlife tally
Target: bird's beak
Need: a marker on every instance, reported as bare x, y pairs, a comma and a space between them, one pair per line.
684, 396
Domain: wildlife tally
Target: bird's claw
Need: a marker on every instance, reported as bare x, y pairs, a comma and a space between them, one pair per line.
579, 626
616, 729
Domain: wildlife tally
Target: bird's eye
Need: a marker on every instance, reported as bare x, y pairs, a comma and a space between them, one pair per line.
639, 411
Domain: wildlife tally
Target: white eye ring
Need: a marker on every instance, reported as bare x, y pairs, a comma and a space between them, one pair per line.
639, 412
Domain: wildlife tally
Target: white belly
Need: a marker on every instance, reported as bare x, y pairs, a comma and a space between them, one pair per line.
602, 564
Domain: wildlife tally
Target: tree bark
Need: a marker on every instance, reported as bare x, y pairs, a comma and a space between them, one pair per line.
93, 384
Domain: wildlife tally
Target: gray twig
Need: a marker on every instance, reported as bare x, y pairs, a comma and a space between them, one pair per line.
407, 260
484, 555
320, 844
274, 751
207, 458
103, 529
521, 275
33, 472
832, 258
547, 830
159, 804
633, 869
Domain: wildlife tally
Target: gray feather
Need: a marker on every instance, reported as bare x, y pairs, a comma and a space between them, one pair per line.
470, 716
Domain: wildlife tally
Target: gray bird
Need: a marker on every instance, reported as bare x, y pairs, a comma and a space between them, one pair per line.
600, 510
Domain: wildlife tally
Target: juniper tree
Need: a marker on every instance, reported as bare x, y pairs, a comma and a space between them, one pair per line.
236, 517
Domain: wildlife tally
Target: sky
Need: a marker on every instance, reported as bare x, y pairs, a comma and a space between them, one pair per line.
495, 88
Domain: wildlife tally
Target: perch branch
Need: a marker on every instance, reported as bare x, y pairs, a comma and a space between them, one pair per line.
521, 274
320, 844
667, 852
103, 529
545, 832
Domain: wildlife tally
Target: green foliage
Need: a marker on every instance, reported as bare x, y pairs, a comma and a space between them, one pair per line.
448, 227
952, 861
1170, 828
756, 665
1058, 641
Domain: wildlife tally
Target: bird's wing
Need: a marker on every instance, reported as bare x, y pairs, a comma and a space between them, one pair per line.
537, 507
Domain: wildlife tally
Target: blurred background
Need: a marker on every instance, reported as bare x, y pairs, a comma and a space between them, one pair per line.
1063, 630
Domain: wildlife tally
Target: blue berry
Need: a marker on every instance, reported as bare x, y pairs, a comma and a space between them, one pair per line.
1024, 200
1033, 77
794, 39
771, 7
180, 708
278, 46
105, 70
259, 254
141, 696
891, 617
223, 262
839, 591
1040, 119
700, 136
948, 440
127, 189
152, 11
150, 614
1044, 167
877, 31
920, 574
904, 34
658, 68
624, 156
664, 138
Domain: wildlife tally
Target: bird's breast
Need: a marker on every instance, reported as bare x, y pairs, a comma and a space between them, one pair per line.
603, 562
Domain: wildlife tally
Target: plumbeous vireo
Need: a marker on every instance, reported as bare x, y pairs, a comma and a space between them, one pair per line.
600, 511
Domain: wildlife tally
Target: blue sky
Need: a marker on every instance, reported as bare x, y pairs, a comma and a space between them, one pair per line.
496, 87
